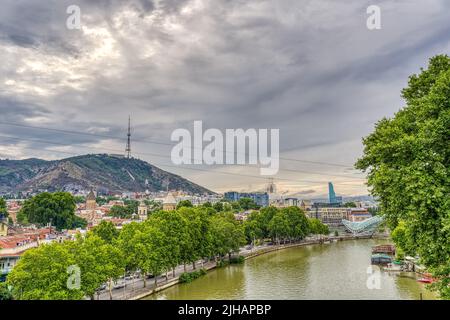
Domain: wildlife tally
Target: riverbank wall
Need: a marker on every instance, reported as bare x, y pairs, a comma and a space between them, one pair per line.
212, 265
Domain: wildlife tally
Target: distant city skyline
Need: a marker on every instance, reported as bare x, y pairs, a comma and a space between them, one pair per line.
311, 69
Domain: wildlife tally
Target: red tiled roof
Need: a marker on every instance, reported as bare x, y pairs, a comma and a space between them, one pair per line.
23, 238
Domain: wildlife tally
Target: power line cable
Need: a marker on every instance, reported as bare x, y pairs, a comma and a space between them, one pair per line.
162, 156
197, 169
158, 142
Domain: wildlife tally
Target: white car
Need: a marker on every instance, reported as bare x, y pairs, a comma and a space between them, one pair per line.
119, 285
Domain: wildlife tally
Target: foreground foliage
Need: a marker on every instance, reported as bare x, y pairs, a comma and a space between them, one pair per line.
152, 248
407, 160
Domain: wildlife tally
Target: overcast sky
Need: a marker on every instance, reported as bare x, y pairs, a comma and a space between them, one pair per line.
309, 68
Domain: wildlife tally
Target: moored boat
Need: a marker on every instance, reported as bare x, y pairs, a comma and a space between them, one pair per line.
380, 258
425, 280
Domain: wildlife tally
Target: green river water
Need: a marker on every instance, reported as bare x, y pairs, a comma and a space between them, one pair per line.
329, 271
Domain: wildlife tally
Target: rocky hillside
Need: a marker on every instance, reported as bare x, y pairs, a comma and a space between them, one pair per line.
105, 173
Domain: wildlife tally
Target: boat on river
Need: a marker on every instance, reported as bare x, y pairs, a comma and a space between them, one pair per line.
381, 258
384, 248
427, 278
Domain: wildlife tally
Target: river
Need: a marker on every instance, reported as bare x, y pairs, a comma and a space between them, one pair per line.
330, 271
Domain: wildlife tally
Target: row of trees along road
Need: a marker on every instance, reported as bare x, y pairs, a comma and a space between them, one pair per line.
154, 247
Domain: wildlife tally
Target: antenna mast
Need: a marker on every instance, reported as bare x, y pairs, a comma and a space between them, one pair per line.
128, 148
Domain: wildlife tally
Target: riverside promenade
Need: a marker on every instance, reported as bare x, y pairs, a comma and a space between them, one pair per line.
134, 289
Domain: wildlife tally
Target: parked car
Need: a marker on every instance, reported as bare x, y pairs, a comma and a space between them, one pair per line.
119, 285
102, 287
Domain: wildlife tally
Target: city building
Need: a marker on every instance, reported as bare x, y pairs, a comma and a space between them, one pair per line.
334, 215
169, 203
358, 214
13, 207
306, 205
291, 202
365, 227
91, 201
13, 246
91, 213
331, 216
332, 198
142, 211
261, 199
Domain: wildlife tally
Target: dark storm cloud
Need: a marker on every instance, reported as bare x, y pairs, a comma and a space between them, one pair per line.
13, 110
14, 124
309, 68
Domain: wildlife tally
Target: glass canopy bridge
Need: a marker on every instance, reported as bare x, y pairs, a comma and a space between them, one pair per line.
363, 228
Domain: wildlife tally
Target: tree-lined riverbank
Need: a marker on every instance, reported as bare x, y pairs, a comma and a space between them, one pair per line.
106, 258
330, 271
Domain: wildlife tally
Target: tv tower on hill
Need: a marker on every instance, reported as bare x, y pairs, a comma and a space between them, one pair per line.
128, 148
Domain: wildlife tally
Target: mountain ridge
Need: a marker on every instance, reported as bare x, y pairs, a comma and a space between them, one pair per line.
104, 172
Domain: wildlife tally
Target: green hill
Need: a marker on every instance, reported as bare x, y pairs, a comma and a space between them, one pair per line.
105, 173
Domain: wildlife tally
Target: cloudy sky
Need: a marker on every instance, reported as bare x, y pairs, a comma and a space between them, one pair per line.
310, 68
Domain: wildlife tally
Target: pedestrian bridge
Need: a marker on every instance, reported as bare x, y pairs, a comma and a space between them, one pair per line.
366, 227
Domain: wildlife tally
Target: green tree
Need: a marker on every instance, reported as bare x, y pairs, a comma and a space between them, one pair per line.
349, 205
154, 251
127, 244
131, 207
207, 204
226, 235
298, 223
252, 230
263, 218
197, 226
247, 204
317, 227
235, 206
107, 231
218, 206
123, 212
279, 228
99, 262
184, 203
174, 228
79, 199
226, 206
56, 208
101, 201
5, 292
42, 274
153, 205
3, 208
402, 239
143, 245
408, 166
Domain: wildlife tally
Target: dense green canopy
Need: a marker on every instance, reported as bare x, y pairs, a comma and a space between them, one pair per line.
157, 245
3, 209
407, 160
56, 208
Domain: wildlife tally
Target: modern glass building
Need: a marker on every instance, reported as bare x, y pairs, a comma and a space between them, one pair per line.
261, 199
332, 198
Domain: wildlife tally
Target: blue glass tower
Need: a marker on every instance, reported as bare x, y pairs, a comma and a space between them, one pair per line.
331, 193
